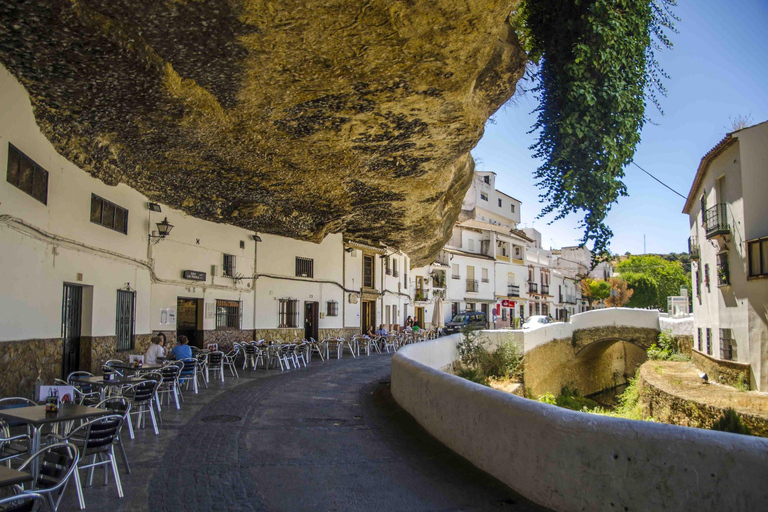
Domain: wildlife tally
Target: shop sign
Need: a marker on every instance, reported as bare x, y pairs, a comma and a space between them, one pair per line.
507, 303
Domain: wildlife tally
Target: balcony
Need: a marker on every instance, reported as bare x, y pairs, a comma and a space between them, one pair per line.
485, 280
455, 276
533, 287
421, 295
472, 285
395, 273
513, 290
693, 247
388, 271
545, 289
716, 221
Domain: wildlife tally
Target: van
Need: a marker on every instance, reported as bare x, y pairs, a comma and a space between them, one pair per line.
472, 319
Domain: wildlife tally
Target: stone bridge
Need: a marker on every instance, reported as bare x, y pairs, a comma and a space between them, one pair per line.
595, 351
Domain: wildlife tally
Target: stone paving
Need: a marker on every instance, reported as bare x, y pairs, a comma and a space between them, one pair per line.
325, 438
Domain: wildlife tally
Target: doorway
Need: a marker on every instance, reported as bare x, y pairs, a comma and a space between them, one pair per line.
420, 317
368, 319
71, 323
484, 309
187, 317
311, 319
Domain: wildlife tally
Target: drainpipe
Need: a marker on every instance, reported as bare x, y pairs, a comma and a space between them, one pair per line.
344, 286
255, 281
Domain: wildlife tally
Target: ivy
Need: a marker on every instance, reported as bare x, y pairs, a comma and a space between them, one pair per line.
597, 71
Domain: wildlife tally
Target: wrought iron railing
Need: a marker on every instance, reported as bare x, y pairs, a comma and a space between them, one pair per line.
533, 287
545, 289
693, 247
472, 285
716, 220
513, 290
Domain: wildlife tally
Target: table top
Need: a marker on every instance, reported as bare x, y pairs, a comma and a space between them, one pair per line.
99, 381
10, 476
129, 366
36, 415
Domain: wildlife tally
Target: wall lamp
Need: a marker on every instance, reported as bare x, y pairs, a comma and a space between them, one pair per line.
349, 250
154, 207
163, 230
256, 238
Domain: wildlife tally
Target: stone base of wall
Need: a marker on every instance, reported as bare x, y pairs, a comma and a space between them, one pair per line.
226, 338
669, 398
640, 336
724, 372
97, 350
685, 344
288, 335
22, 363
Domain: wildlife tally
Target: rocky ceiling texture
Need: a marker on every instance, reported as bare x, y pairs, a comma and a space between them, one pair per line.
294, 117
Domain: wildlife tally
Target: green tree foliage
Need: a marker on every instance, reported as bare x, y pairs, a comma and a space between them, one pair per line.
645, 288
668, 277
595, 290
597, 70
731, 422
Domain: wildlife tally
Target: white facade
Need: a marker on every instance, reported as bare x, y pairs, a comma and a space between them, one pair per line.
728, 218
489, 205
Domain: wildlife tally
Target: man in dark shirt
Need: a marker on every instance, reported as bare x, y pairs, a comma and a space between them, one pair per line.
182, 350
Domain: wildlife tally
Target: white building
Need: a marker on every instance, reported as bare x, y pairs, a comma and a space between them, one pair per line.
728, 215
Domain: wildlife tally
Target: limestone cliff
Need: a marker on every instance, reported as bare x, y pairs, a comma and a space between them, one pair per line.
293, 117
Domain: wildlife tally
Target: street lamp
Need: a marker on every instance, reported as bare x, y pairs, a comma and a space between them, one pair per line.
163, 230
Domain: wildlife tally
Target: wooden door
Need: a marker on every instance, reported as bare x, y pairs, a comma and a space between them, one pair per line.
311, 319
368, 319
187, 320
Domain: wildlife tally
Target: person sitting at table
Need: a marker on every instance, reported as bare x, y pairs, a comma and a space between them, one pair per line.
154, 351
370, 331
416, 328
381, 331
182, 350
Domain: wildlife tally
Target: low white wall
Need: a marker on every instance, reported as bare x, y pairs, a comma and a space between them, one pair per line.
571, 461
678, 326
625, 317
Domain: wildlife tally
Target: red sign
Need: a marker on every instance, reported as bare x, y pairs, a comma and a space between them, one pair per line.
508, 303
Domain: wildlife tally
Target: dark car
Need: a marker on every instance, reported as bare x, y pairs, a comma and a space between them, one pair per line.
473, 319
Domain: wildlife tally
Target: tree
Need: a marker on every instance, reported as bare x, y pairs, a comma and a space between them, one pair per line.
597, 69
594, 290
619, 293
645, 289
669, 277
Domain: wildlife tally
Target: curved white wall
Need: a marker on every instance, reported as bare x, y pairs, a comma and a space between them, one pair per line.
573, 461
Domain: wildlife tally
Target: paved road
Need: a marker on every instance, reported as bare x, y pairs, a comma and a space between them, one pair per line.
325, 438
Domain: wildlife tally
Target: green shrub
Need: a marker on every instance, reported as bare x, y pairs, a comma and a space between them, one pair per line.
548, 398
471, 347
629, 401
506, 362
472, 374
570, 399
742, 384
731, 422
666, 348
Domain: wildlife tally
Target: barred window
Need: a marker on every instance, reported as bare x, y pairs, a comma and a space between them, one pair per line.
26, 175
727, 345
699, 340
706, 276
332, 308
289, 313
305, 267
723, 276
228, 267
229, 314
124, 319
368, 271
108, 214
709, 341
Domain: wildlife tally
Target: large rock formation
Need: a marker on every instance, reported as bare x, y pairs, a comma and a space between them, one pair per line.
297, 117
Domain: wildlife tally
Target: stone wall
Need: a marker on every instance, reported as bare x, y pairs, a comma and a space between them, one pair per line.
685, 344
724, 372
226, 337
288, 335
23, 362
97, 350
640, 336
667, 405
600, 366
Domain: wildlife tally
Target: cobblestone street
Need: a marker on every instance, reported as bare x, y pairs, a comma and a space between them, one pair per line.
325, 438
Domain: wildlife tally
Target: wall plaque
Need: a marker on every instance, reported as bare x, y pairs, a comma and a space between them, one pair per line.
194, 275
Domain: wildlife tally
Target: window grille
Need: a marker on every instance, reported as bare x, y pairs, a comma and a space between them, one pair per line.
484, 197
229, 314
228, 266
699, 340
709, 341
108, 214
332, 308
727, 346
305, 267
289, 313
124, 320
723, 276
26, 175
706, 276
368, 271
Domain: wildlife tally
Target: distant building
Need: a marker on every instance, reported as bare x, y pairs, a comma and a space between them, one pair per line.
728, 214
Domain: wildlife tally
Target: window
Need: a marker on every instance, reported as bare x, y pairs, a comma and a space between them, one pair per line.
757, 251
108, 214
706, 276
487, 179
26, 175
723, 277
332, 308
483, 196
470, 306
697, 275
727, 346
455, 271
709, 341
229, 314
124, 320
471, 245
368, 271
484, 275
395, 273
228, 267
289, 313
387, 268
699, 339
513, 208
305, 267
499, 203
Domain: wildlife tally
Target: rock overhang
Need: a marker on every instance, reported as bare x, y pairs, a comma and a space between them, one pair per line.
293, 118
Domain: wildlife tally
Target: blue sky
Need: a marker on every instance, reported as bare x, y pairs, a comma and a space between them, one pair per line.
718, 70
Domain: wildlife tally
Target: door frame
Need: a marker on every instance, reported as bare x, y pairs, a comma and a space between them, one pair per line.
370, 306
311, 315
193, 341
71, 364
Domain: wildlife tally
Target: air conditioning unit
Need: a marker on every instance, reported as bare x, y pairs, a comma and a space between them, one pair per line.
214, 270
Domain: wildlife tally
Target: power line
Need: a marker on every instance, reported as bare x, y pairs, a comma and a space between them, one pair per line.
657, 179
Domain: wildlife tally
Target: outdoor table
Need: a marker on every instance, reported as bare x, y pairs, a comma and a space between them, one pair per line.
36, 416
131, 368
10, 477
104, 384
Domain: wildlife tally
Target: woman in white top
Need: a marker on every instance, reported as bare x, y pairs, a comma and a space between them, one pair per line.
154, 351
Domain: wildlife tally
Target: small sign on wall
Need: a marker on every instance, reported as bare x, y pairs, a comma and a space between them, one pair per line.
210, 309
168, 316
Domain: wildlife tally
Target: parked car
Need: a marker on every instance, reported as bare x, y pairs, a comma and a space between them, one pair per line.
473, 319
536, 321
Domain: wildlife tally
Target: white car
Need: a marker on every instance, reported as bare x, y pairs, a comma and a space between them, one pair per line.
534, 322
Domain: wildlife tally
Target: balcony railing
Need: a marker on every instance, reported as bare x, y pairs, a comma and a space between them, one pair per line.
545, 289
533, 287
395, 273
485, 280
693, 247
455, 276
716, 221
472, 285
388, 271
422, 295
513, 290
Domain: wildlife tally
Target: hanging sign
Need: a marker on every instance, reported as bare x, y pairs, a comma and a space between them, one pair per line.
507, 303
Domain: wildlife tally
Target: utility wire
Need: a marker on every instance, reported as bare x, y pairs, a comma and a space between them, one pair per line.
657, 179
